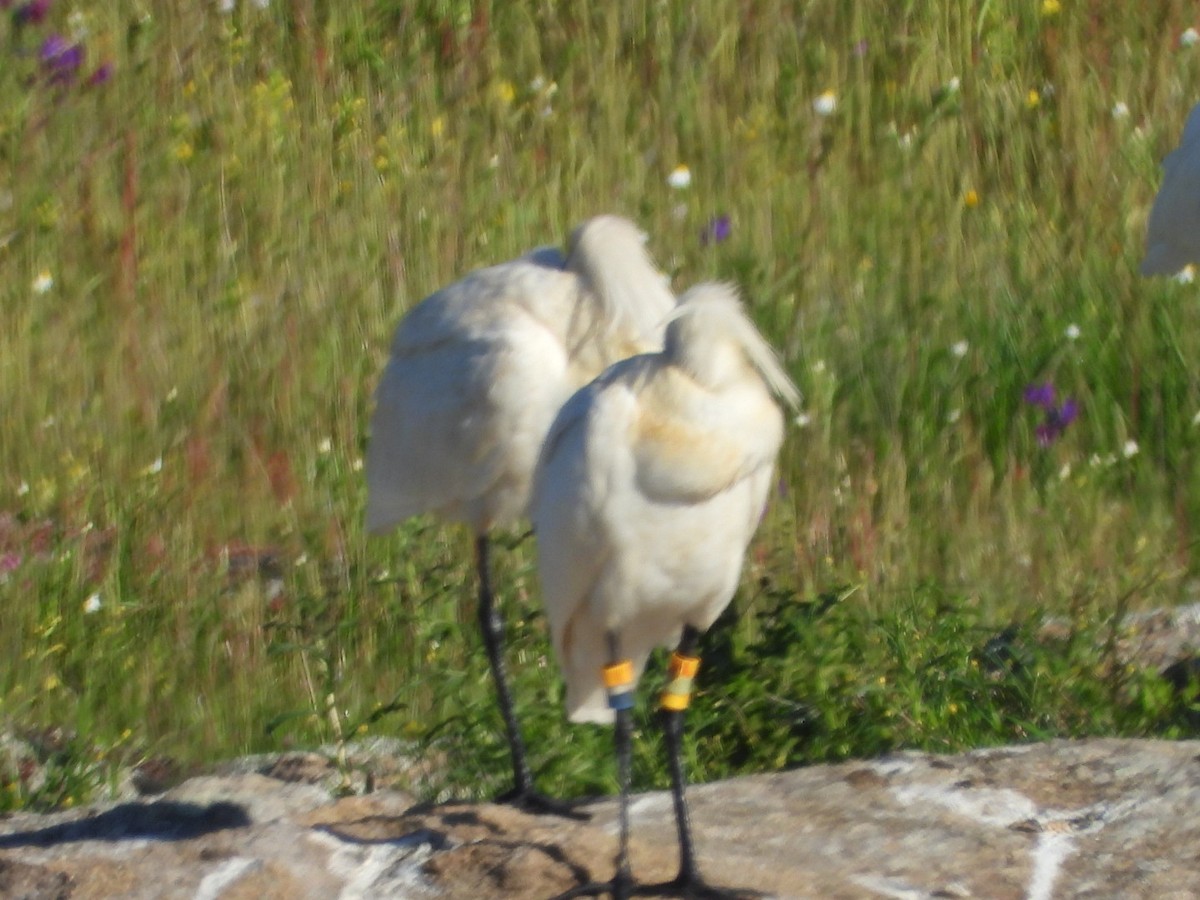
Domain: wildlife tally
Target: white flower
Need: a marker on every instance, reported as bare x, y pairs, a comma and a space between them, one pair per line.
819, 366
225, 6
1187, 274
680, 177
1195, 421
953, 416
43, 282
1120, 110
23, 487
154, 468
1065, 472
1072, 332
803, 420
325, 446
1129, 449
92, 604
825, 104
952, 85
1189, 37
960, 348
357, 464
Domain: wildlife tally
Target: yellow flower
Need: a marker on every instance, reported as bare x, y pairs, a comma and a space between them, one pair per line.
438, 126
183, 151
1033, 99
504, 92
971, 199
1050, 8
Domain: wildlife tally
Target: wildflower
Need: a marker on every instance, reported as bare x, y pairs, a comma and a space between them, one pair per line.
1120, 110
1189, 38
861, 48
325, 446
92, 604
971, 199
825, 104
1056, 418
101, 75
1129, 449
153, 468
680, 177
717, 230
803, 420
504, 92
60, 61
9, 562
1072, 332
1051, 8
437, 127
960, 348
43, 282
1186, 275
32, 13
1033, 99
225, 6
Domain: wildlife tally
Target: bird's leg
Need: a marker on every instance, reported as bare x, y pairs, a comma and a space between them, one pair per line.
491, 625
675, 700
618, 679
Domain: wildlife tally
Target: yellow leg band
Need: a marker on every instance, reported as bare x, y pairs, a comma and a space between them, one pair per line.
619, 674
618, 679
678, 694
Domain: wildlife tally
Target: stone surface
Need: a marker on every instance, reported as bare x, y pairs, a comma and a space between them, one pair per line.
1094, 819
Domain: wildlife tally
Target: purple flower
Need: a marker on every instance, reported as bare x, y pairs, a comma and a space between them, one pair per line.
9, 561
1040, 395
717, 230
101, 75
60, 60
860, 49
1056, 418
34, 12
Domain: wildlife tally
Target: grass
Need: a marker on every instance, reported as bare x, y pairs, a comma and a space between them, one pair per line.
203, 258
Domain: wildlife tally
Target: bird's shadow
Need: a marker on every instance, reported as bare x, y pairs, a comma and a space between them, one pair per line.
164, 820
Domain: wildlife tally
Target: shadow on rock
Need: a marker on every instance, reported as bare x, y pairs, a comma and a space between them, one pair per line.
162, 821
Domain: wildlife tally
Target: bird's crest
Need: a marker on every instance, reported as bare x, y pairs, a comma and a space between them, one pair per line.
715, 308
609, 254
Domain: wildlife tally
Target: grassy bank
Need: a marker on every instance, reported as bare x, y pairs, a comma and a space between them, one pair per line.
209, 226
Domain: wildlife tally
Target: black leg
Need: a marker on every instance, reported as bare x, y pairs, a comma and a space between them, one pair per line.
621, 887
491, 625
688, 883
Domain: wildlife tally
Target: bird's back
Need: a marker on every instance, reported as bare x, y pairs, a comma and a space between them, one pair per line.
479, 369
473, 382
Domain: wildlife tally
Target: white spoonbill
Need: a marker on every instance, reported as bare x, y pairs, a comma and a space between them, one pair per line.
1173, 232
650, 485
477, 373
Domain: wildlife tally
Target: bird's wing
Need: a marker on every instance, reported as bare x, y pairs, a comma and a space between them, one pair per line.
472, 385
689, 444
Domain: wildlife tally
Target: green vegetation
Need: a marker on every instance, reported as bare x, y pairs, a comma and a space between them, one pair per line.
203, 254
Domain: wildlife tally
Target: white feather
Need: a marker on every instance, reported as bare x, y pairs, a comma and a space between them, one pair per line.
479, 369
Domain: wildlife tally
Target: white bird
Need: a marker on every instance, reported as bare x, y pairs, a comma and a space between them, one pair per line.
650, 486
1173, 232
478, 371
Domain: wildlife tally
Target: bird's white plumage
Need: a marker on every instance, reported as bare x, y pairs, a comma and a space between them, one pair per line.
650, 485
479, 369
1173, 231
